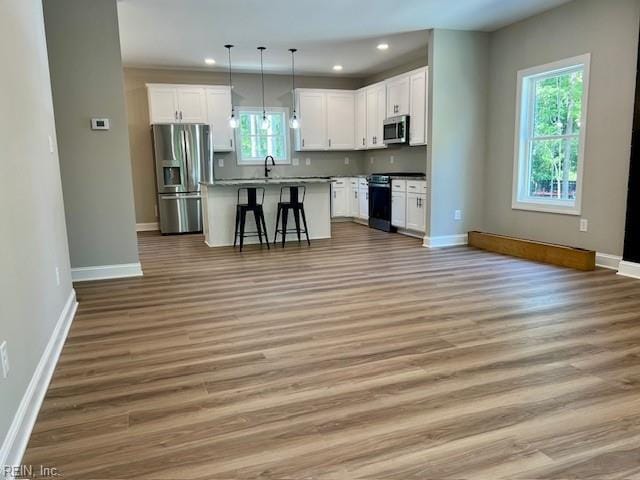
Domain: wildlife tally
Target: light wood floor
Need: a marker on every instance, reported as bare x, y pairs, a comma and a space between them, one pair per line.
362, 357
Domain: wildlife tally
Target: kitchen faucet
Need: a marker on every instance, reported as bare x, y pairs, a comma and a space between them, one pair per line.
267, 170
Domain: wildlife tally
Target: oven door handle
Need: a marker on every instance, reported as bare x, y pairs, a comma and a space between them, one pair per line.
379, 185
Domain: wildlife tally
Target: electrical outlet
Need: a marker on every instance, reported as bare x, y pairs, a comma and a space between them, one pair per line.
295, 162
584, 225
221, 162
371, 160
308, 161
346, 160
392, 159
57, 276
51, 145
457, 215
4, 359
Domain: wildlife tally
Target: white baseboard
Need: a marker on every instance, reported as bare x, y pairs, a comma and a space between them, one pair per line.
15, 443
629, 269
147, 227
446, 241
605, 260
106, 272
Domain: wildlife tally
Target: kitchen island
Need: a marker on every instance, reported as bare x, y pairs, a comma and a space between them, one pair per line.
219, 199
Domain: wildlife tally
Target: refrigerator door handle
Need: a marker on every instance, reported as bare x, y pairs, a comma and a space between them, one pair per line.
178, 197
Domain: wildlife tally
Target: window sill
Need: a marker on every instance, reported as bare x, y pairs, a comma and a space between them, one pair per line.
546, 208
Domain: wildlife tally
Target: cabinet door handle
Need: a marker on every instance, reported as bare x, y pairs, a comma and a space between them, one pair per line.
231, 142
303, 142
356, 194
175, 115
363, 140
329, 142
334, 194
180, 114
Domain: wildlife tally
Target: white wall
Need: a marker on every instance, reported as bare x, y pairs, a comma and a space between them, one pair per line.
33, 239
609, 31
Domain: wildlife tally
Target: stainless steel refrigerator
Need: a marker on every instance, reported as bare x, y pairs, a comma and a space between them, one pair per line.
183, 158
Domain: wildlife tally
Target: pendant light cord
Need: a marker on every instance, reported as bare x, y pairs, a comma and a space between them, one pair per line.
229, 47
262, 49
293, 77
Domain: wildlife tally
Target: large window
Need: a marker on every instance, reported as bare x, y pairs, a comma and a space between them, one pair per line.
256, 142
550, 136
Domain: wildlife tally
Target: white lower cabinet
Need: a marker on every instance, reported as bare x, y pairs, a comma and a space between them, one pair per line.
399, 209
363, 199
354, 204
416, 212
339, 203
409, 205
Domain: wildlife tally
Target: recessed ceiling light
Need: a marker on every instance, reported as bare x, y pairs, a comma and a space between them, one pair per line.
337, 68
383, 46
209, 61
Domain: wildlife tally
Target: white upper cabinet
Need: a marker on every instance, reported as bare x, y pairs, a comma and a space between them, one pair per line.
376, 114
163, 104
192, 105
361, 119
418, 120
398, 96
177, 104
312, 108
218, 113
340, 120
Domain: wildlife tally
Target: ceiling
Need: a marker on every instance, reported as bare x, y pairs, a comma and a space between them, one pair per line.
182, 33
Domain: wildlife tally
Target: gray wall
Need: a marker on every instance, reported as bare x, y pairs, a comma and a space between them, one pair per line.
33, 241
458, 104
86, 74
246, 93
609, 31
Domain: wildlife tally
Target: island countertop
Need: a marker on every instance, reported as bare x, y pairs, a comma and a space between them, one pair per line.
227, 182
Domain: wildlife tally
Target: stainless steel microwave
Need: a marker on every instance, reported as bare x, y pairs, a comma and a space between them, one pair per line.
396, 130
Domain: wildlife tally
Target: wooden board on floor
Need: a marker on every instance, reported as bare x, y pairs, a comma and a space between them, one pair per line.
560, 255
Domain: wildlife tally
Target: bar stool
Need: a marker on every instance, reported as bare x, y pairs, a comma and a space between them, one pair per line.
296, 205
252, 205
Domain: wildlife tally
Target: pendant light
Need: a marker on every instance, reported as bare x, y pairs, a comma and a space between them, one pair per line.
294, 123
234, 122
265, 121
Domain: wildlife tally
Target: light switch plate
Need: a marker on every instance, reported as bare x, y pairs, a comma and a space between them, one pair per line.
584, 225
308, 161
295, 162
4, 359
346, 160
392, 159
457, 215
221, 162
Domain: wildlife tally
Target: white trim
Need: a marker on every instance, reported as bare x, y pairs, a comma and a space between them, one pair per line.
523, 124
605, 260
147, 227
15, 443
629, 269
446, 241
105, 272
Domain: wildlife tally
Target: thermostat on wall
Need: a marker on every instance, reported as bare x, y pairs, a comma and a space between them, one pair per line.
99, 124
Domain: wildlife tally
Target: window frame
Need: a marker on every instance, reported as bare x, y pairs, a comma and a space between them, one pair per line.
525, 111
240, 159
